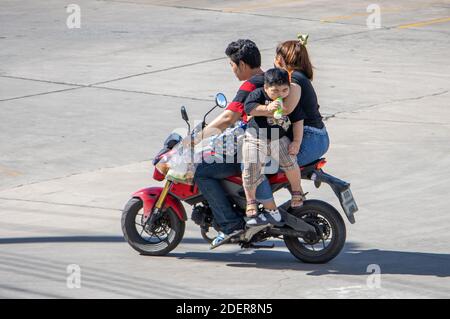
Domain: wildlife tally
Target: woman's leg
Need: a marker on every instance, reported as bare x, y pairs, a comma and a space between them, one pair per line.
315, 144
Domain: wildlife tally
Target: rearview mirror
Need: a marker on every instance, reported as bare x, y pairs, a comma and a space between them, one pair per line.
184, 114
221, 100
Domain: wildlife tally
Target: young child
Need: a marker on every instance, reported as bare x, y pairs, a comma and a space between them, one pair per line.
266, 135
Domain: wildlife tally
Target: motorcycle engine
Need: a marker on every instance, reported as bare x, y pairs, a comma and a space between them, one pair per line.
202, 216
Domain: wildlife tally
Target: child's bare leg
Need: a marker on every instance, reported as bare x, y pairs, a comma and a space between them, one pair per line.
288, 164
250, 195
254, 151
294, 177
252, 206
270, 205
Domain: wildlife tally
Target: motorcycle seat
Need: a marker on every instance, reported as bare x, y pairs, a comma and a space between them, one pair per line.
280, 177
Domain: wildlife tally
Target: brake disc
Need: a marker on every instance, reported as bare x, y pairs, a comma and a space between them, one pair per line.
159, 228
321, 225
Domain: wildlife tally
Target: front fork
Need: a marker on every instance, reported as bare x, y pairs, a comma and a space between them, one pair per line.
157, 211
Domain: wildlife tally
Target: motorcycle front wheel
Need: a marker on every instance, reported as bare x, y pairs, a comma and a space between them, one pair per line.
328, 223
158, 240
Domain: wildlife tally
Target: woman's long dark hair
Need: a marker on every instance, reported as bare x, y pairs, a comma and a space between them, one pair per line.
296, 57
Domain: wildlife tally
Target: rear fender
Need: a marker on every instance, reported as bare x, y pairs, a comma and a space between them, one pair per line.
150, 195
341, 189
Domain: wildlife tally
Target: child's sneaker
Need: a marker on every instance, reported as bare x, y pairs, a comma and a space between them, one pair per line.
272, 217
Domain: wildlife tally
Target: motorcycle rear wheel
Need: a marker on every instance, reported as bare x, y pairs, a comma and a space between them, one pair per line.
158, 241
324, 216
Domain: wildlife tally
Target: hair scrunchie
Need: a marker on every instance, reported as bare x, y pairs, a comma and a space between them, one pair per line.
303, 39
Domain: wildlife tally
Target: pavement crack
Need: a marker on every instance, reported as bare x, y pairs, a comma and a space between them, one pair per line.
83, 86
393, 121
39, 80
328, 117
160, 70
397, 100
371, 106
97, 84
280, 284
58, 204
152, 93
237, 11
71, 175
39, 94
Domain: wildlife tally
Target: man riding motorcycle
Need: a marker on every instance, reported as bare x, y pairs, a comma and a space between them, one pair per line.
245, 61
153, 220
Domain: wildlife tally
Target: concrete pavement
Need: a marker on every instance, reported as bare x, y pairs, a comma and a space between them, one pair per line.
82, 111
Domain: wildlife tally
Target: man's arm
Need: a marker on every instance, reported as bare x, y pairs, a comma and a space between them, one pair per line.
217, 126
220, 123
233, 112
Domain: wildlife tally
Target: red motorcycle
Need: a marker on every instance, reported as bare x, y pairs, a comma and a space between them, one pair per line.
153, 220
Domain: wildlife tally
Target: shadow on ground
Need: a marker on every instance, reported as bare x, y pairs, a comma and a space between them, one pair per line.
79, 239
352, 261
61, 239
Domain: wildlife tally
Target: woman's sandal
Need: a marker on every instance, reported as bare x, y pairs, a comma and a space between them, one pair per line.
252, 209
297, 199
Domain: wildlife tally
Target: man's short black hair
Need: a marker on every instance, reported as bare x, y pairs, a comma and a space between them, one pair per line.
276, 76
246, 51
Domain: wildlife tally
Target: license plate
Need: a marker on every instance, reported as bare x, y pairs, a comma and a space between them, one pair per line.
348, 203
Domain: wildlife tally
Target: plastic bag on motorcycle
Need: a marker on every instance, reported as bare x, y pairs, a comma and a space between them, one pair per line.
229, 142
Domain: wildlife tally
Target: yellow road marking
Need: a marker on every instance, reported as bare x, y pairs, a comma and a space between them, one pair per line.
358, 14
382, 9
6, 171
347, 17
423, 23
259, 6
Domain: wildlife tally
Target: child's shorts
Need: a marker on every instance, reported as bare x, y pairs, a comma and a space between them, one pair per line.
254, 153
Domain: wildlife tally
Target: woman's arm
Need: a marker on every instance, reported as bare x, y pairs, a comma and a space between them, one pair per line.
294, 147
292, 100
